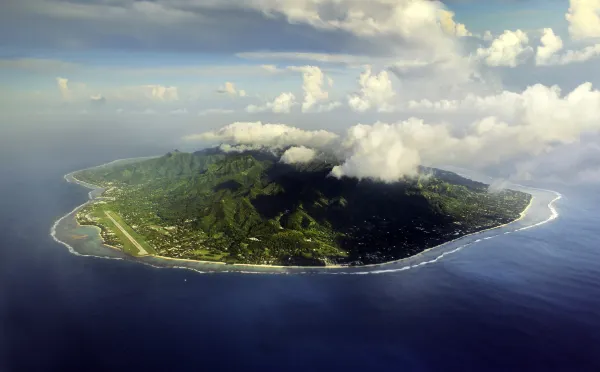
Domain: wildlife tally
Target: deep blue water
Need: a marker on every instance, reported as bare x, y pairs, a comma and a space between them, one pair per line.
526, 301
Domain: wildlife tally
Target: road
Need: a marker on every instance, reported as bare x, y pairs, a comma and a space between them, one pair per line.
141, 250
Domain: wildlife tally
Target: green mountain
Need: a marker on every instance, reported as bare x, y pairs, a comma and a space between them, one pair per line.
250, 208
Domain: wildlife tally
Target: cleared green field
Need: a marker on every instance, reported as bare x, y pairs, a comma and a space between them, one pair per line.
128, 247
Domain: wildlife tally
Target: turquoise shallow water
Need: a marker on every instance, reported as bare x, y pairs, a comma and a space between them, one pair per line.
521, 301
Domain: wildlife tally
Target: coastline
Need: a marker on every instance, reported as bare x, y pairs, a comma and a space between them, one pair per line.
71, 179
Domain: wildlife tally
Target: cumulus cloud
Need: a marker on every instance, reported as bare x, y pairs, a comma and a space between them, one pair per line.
230, 89
375, 92
509, 49
298, 154
544, 120
417, 21
378, 152
268, 135
450, 26
550, 44
63, 87
584, 19
161, 93
225, 147
574, 56
281, 104
313, 81
541, 119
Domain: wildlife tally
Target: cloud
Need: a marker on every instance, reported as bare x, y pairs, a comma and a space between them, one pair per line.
551, 44
329, 106
161, 93
574, 56
509, 49
313, 81
227, 25
299, 154
584, 19
450, 26
239, 148
98, 99
375, 92
334, 58
63, 87
378, 152
541, 120
38, 65
544, 121
269, 135
179, 111
215, 112
281, 104
404, 18
230, 89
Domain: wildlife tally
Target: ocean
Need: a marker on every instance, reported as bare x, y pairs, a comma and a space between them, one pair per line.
528, 300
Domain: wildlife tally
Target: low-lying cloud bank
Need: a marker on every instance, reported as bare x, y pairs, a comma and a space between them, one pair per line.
511, 128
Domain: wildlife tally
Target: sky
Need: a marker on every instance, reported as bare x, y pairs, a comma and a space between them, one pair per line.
506, 86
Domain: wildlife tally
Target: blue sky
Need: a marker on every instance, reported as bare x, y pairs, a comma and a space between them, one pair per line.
498, 83
100, 50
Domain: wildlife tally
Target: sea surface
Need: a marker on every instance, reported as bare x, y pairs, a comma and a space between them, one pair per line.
524, 301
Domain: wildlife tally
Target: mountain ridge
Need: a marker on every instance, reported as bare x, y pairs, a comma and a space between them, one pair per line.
248, 207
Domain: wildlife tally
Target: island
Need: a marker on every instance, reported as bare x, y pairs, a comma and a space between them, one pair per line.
250, 208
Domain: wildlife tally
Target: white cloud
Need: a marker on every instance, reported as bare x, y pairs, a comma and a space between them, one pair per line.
63, 87
161, 93
215, 112
409, 19
239, 148
378, 152
344, 59
230, 89
375, 92
551, 44
450, 26
575, 56
329, 106
269, 68
313, 80
97, 99
298, 154
508, 49
268, 135
584, 19
540, 119
281, 104
543, 121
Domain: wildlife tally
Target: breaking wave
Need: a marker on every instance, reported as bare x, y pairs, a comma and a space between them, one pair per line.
365, 270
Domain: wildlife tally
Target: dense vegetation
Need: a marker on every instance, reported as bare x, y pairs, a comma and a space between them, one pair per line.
250, 208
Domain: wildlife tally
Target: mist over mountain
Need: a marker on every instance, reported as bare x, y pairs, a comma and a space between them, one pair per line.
250, 206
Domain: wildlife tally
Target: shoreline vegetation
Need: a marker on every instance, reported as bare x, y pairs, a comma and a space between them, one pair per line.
100, 191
